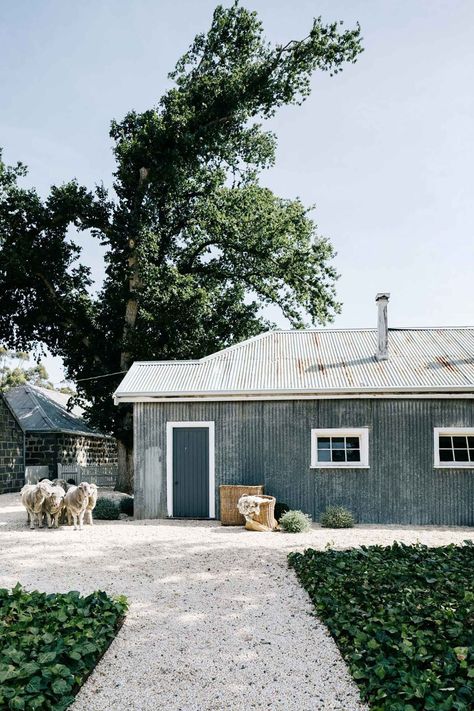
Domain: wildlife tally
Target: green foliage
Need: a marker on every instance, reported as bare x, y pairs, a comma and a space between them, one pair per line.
126, 505
13, 371
337, 517
403, 618
295, 522
106, 510
195, 246
280, 509
49, 644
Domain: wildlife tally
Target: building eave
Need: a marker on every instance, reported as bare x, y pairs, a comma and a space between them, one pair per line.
79, 433
328, 393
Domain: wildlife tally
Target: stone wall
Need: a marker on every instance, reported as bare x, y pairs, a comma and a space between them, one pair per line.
86, 451
12, 473
51, 449
41, 451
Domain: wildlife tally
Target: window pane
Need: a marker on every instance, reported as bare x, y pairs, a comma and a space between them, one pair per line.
461, 455
337, 442
471, 455
353, 443
471, 442
338, 455
323, 442
445, 442
459, 442
445, 455
353, 455
324, 455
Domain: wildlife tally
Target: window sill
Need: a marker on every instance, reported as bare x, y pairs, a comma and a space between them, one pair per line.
458, 465
328, 465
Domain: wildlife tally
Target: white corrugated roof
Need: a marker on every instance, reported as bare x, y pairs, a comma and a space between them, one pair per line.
313, 361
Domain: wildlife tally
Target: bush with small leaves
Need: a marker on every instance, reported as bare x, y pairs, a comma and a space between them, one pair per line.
106, 510
295, 522
126, 505
337, 517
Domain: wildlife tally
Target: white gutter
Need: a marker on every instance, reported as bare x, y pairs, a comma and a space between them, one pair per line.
328, 394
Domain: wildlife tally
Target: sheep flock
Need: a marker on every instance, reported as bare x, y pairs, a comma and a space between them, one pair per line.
57, 501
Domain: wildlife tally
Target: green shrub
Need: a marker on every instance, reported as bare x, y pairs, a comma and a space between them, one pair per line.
336, 517
126, 505
402, 617
49, 644
106, 510
280, 509
295, 522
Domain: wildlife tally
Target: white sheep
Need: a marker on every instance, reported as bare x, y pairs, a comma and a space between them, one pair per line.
76, 501
91, 504
53, 505
32, 498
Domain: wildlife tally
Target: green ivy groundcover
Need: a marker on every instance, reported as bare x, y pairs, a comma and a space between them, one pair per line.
403, 618
49, 644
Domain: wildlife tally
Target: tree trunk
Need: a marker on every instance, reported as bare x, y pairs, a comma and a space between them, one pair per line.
125, 447
125, 468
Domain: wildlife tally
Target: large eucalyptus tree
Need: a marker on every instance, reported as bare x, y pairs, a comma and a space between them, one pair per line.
195, 246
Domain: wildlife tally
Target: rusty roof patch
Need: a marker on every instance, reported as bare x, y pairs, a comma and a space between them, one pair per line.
445, 363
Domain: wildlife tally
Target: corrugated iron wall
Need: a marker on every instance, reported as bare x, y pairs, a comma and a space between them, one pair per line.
269, 442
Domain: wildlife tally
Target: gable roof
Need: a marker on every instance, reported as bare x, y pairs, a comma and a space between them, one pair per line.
40, 410
311, 362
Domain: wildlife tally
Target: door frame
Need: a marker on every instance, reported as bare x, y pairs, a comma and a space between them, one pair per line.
170, 426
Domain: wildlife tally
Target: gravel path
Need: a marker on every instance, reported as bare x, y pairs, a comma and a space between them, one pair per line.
216, 621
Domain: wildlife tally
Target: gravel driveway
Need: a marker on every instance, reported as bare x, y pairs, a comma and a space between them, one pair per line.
216, 621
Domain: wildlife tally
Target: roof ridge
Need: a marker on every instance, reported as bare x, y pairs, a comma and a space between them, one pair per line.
30, 389
56, 402
364, 329
259, 336
166, 362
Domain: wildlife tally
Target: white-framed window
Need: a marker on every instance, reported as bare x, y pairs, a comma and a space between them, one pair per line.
338, 448
454, 447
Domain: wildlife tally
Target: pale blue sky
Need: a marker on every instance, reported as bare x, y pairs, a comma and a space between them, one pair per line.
385, 150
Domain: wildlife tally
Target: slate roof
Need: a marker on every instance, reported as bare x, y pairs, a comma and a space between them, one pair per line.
314, 361
40, 410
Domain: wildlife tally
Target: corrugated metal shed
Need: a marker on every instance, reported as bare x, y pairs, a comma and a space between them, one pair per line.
41, 410
314, 361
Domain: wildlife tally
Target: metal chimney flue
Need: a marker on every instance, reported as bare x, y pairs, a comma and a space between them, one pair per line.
382, 326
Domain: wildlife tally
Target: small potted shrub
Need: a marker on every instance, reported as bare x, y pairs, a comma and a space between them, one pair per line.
337, 517
295, 522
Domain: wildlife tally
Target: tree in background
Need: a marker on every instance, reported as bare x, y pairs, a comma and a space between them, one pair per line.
14, 371
195, 246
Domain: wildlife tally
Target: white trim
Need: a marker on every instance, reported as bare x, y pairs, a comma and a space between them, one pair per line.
426, 394
170, 426
361, 432
450, 431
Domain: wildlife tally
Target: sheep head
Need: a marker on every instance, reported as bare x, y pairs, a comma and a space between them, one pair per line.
85, 488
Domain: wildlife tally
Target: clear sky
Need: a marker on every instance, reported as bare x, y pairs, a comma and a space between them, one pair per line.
385, 150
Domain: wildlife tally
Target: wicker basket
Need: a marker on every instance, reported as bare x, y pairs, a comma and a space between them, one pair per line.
229, 496
267, 512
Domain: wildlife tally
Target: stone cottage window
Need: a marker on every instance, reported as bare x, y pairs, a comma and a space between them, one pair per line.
454, 447
338, 448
